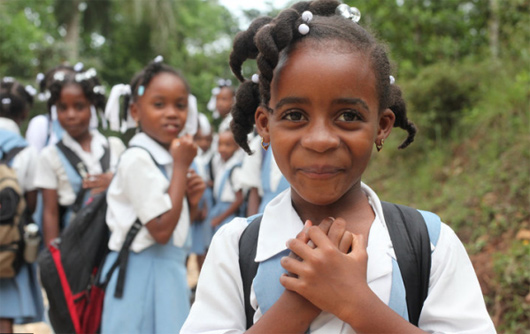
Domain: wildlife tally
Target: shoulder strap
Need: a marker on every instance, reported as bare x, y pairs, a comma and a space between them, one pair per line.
105, 159
247, 265
411, 243
9, 155
80, 169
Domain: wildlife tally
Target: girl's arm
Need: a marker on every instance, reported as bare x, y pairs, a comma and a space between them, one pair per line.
231, 209
336, 282
31, 200
50, 217
183, 150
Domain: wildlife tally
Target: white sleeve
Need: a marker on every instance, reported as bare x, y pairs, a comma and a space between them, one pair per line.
37, 132
144, 185
45, 176
116, 148
219, 306
455, 303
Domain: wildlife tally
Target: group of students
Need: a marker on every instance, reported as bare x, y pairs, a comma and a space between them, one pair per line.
323, 99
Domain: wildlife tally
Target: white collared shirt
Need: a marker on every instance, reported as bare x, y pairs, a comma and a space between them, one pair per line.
51, 173
139, 190
230, 187
454, 303
25, 162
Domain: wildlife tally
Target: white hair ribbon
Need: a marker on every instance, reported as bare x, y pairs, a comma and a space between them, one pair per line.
191, 122
112, 109
204, 125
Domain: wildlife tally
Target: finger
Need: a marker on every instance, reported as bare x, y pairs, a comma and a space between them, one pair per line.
325, 224
358, 242
336, 231
290, 282
300, 248
318, 238
346, 242
292, 265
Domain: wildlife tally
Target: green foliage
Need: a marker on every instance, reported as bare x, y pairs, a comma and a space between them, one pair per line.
513, 277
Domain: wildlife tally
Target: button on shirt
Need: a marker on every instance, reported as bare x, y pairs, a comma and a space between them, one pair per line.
139, 190
454, 303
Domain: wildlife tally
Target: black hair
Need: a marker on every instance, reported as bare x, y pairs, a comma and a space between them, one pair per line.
87, 80
144, 77
15, 100
270, 40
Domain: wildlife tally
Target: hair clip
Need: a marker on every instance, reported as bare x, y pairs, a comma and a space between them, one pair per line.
6, 101
89, 74
39, 77
307, 16
392, 80
30, 90
216, 90
8, 80
351, 13
58, 76
99, 90
79, 66
141, 90
158, 59
255, 78
224, 82
303, 28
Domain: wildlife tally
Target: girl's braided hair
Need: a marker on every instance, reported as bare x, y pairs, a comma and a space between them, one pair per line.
14, 99
270, 40
87, 80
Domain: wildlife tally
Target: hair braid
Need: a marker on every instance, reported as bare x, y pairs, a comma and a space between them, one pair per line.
399, 108
247, 98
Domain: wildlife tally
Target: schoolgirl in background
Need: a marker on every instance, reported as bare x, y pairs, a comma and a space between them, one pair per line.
155, 185
20, 296
201, 231
65, 183
227, 192
324, 99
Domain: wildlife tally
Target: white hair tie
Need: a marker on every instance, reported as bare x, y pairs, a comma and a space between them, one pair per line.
112, 109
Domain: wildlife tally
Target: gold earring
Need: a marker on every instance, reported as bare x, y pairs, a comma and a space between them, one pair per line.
379, 146
265, 145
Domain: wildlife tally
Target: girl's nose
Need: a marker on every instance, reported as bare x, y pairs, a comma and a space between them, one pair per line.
320, 137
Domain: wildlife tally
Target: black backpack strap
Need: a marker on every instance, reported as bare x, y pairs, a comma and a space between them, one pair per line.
122, 260
9, 155
410, 239
248, 267
105, 159
80, 168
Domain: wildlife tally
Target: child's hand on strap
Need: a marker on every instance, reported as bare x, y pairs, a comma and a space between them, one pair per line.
183, 150
97, 183
327, 276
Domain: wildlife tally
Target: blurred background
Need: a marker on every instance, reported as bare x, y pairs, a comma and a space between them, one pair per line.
464, 67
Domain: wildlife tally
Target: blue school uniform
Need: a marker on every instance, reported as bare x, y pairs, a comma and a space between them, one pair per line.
201, 230
268, 192
156, 295
20, 296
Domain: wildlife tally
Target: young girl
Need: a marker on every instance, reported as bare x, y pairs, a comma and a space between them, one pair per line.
155, 185
228, 195
323, 102
201, 231
20, 296
67, 182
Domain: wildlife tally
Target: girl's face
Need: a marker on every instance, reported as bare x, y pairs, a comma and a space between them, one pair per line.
73, 111
203, 141
224, 101
227, 145
324, 123
162, 110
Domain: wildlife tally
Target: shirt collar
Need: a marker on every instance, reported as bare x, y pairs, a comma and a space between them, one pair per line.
159, 153
9, 125
97, 143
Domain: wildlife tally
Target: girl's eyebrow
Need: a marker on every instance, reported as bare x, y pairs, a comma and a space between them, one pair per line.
351, 101
291, 99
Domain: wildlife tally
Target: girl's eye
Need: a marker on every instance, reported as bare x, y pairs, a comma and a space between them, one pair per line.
349, 116
158, 105
79, 106
182, 106
294, 116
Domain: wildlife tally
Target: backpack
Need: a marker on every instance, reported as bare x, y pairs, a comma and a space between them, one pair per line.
412, 245
76, 172
12, 217
71, 268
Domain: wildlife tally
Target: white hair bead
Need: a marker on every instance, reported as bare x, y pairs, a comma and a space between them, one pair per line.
303, 29
255, 78
307, 16
392, 80
158, 59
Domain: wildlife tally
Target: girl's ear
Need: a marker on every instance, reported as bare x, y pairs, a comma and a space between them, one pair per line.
261, 118
386, 123
133, 108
